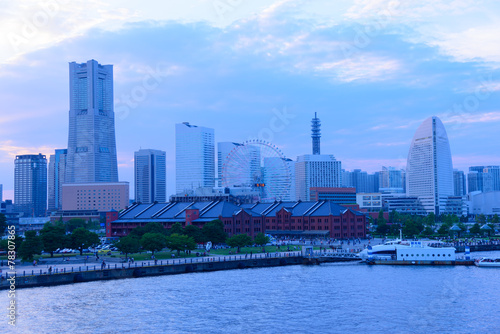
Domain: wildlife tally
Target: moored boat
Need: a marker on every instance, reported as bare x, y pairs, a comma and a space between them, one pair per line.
487, 262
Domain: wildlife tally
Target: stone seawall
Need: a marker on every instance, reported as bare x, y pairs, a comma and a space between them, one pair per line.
144, 271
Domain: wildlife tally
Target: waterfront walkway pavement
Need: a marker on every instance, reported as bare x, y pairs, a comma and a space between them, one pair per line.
80, 263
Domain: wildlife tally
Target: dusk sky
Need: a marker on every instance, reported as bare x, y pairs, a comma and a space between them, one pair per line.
373, 70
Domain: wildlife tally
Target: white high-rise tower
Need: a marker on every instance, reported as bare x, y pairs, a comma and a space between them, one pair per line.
194, 157
429, 169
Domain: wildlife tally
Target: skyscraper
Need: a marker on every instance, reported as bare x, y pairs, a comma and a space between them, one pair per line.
150, 174
91, 141
194, 157
316, 171
429, 167
459, 183
57, 175
30, 185
1, 193
316, 135
484, 178
392, 179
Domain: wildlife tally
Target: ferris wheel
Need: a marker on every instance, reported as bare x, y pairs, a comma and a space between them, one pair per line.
259, 166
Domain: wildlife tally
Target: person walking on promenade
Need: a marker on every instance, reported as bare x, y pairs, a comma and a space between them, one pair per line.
34, 263
103, 265
50, 270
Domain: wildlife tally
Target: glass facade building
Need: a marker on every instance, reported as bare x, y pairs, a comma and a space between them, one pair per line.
150, 175
30, 185
91, 142
56, 177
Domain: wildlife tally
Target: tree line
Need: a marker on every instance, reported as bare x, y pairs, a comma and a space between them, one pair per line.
412, 225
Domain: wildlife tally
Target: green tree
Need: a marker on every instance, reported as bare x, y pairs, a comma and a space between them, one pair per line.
430, 219
196, 233
394, 229
475, 229
82, 238
128, 245
3, 223
53, 237
32, 245
444, 229
75, 223
261, 240
239, 240
175, 229
481, 219
411, 228
428, 231
495, 219
214, 232
382, 227
153, 242
178, 242
381, 218
154, 227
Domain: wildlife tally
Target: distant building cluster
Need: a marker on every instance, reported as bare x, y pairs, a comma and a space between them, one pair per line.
251, 186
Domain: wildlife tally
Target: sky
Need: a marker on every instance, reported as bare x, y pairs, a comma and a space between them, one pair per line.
373, 70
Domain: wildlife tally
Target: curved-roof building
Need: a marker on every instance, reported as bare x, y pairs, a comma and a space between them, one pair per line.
429, 166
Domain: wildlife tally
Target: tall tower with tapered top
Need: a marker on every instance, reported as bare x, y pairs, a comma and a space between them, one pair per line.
316, 134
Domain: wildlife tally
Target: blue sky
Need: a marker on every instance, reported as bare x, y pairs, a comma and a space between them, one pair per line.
373, 70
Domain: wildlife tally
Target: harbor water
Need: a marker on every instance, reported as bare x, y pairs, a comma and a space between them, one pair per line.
330, 298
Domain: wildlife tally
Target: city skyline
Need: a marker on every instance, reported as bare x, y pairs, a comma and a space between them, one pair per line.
371, 88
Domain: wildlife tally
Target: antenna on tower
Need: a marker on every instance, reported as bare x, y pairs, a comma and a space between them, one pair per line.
316, 134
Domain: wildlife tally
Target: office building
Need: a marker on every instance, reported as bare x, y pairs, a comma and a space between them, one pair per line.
339, 196
483, 178
150, 175
30, 185
361, 181
91, 153
56, 177
459, 183
99, 197
429, 168
194, 157
316, 171
392, 179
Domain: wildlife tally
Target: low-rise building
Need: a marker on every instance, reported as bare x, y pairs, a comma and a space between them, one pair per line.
103, 197
320, 218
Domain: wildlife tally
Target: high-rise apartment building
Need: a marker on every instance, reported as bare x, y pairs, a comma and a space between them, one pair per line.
392, 178
483, 178
56, 177
91, 141
429, 167
30, 185
361, 181
459, 182
150, 175
316, 171
194, 157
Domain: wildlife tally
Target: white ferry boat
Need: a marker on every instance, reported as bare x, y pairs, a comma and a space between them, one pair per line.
409, 252
487, 262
